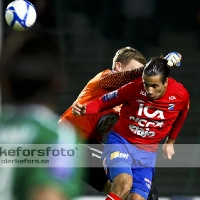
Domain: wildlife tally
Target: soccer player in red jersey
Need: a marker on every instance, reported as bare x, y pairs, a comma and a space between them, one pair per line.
127, 65
154, 106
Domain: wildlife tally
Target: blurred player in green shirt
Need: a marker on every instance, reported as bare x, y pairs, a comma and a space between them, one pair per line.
30, 80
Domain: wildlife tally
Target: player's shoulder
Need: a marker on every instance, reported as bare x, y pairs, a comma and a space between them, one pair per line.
136, 82
134, 85
178, 88
176, 85
93, 84
106, 72
99, 75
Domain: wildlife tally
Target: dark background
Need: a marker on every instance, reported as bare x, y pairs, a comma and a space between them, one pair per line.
76, 39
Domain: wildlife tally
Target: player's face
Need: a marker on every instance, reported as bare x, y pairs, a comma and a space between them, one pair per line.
154, 86
133, 64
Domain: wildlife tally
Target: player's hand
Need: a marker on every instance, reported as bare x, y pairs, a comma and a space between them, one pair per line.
78, 109
168, 151
174, 59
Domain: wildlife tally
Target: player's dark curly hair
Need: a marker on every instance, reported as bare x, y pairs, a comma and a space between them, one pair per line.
157, 66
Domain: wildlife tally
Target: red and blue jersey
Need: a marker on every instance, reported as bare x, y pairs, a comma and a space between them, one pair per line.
143, 121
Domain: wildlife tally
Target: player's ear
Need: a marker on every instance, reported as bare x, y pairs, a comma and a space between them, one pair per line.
166, 82
118, 67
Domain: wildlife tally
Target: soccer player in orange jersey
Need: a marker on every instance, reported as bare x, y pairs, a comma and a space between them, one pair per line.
127, 65
95, 126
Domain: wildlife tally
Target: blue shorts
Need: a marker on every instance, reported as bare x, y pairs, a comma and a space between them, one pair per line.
120, 156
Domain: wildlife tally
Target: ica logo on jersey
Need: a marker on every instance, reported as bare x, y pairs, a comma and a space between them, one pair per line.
144, 125
158, 113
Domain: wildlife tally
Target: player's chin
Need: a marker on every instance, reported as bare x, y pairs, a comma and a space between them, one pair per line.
153, 97
150, 98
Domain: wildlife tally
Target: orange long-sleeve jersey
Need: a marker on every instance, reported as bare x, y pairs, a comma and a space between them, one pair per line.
95, 125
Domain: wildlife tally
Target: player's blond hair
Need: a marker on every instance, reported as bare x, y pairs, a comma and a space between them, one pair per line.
126, 54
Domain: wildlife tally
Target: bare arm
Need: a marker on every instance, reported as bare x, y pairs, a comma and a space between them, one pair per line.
168, 148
